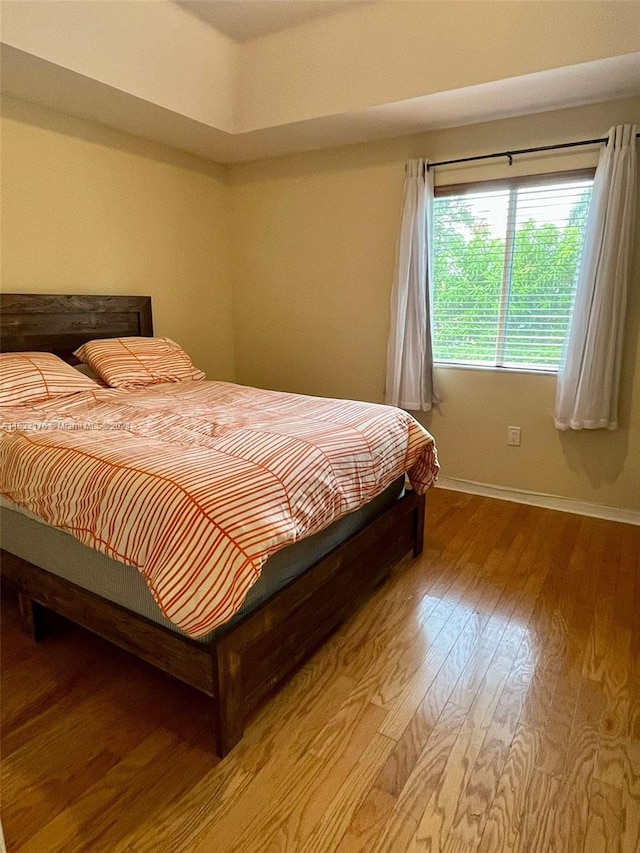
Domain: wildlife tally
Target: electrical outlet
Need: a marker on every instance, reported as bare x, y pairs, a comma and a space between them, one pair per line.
513, 436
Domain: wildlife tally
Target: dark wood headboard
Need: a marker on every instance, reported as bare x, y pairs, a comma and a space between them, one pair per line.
60, 324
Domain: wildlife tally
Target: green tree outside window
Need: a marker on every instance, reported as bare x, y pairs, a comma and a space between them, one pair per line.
505, 269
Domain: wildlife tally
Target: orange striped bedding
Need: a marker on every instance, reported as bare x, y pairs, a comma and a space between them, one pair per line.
197, 483
34, 376
136, 362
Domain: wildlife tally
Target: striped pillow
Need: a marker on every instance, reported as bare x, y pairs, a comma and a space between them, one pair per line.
136, 362
32, 377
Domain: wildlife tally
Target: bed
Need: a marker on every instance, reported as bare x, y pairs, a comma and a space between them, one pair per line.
307, 596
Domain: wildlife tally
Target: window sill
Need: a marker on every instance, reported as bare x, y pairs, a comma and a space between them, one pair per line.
492, 368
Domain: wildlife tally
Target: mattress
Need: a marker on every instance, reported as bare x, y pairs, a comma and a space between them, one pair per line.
63, 555
197, 483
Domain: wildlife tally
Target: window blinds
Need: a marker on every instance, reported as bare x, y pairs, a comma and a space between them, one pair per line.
506, 258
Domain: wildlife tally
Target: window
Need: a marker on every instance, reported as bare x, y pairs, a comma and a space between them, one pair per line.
506, 258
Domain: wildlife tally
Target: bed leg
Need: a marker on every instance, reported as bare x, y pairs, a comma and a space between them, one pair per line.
229, 720
31, 617
418, 530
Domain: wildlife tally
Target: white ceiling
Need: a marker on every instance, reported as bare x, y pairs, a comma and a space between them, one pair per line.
36, 80
349, 78
243, 20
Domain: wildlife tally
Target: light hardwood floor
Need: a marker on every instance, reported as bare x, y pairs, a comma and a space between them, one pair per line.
486, 698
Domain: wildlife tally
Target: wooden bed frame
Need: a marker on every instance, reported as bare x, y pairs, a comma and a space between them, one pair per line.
246, 661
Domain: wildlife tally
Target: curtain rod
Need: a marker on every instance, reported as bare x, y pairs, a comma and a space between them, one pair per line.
511, 154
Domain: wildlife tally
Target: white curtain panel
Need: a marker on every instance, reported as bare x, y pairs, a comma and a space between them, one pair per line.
410, 381
588, 381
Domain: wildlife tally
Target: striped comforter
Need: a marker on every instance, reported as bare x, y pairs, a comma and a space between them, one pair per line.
197, 483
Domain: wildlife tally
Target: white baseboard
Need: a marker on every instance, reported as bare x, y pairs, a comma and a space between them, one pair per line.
504, 493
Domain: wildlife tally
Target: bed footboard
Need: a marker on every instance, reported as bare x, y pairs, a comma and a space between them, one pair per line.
243, 663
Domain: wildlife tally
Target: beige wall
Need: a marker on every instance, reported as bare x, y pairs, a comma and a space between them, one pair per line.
313, 248
90, 210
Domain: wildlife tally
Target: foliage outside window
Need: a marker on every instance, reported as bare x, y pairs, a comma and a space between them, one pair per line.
506, 259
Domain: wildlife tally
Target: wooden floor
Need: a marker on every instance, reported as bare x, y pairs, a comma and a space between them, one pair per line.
487, 698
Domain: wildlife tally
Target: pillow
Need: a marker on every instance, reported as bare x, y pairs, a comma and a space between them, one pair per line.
32, 377
136, 362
